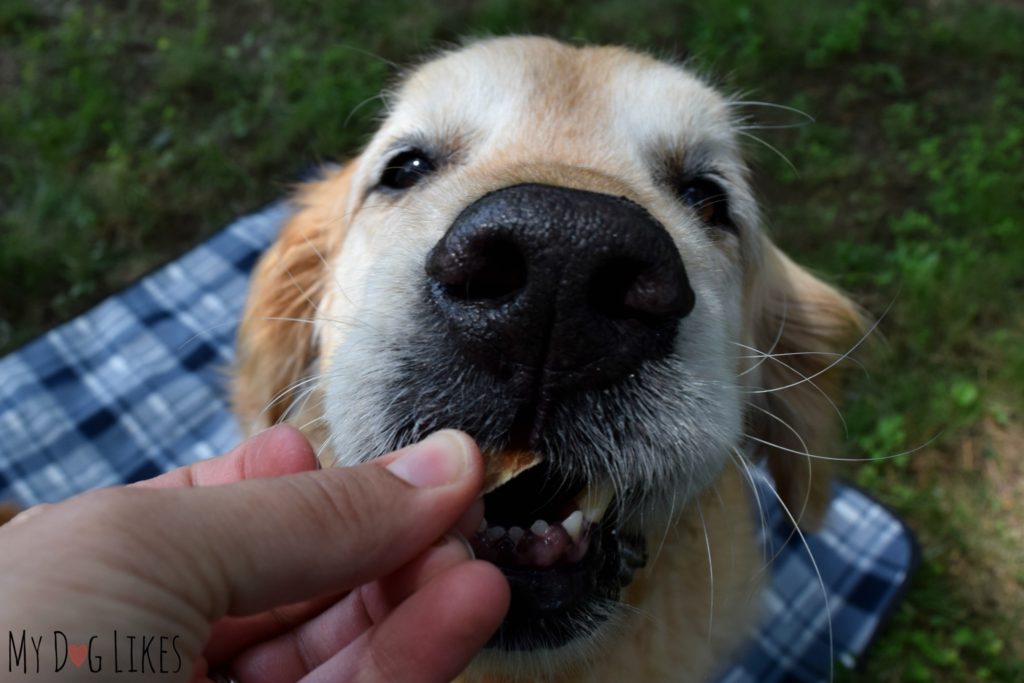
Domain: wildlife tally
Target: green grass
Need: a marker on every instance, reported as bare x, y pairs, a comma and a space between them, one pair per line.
133, 129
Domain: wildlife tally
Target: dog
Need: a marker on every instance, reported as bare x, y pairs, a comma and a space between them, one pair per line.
557, 250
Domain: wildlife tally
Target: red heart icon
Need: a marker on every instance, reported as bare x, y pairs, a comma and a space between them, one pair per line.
77, 654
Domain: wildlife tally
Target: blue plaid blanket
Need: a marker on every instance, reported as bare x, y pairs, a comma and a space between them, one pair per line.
137, 386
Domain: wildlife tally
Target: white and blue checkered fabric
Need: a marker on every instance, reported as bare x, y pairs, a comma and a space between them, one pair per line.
137, 386
824, 613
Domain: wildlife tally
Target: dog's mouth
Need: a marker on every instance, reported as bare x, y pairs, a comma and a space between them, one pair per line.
559, 543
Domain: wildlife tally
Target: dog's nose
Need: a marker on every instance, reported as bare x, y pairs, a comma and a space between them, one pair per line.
570, 288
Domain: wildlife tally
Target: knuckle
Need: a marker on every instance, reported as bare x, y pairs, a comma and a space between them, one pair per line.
104, 506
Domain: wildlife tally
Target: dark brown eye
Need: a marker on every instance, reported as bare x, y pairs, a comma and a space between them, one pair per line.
708, 200
405, 169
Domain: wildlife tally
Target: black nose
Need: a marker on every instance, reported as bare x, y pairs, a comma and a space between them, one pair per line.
570, 288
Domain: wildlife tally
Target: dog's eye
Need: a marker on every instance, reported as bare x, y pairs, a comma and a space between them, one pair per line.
708, 200
406, 169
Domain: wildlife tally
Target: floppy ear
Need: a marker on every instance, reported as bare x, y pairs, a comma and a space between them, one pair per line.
275, 348
805, 324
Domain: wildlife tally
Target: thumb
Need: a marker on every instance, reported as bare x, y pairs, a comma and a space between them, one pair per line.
260, 543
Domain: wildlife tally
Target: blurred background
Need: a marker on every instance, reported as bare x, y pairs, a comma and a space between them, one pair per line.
130, 131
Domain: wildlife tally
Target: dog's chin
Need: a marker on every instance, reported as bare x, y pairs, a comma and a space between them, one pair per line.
553, 607
565, 554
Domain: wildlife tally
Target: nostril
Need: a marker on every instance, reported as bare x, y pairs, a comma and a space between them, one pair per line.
500, 272
610, 288
488, 269
632, 289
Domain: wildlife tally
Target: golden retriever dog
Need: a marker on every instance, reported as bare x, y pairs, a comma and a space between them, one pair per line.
556, 249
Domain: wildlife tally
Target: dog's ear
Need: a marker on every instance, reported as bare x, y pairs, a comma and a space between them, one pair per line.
805, 325
276, 343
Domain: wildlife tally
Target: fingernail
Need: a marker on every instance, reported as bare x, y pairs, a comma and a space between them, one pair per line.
439, 459
465, 544
470, 519
457, 540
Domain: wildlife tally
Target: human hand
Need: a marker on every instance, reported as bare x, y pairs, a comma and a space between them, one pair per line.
255, 564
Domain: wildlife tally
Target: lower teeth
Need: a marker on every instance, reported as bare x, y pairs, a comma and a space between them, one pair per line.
542, 545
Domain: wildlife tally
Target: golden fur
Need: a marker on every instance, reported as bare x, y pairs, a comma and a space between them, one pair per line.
673, 633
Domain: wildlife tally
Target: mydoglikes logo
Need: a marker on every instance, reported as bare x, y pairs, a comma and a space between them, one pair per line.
113, 653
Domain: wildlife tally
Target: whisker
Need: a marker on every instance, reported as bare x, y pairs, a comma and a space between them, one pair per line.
810, 468
302, 291
320, 451
289, 319
772, 105
846, 429
334, 276
668, 525
309, 423
775, 342
772, 148
783, 423
307, 393
281, 395
711, 574
774, 126
817, 571
927, 443
366, 53
202, 332
845, 355
760, 507
378, 96
333, 320
831, 354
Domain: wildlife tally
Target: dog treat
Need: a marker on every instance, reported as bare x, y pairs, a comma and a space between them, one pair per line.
500, 468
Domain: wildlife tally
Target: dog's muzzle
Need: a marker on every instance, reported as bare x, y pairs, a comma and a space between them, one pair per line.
553, 291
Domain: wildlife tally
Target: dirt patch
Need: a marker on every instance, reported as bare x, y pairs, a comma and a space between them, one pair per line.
1000, 537
977, 487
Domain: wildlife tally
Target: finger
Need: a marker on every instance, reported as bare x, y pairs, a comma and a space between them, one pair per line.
469, 522
200, 669
378, 598
432, 636
297, 652
232, 635
8, 512
272, 453
28, 514
336, 528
